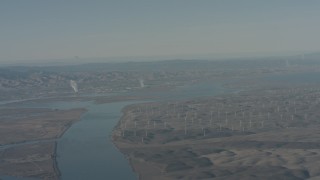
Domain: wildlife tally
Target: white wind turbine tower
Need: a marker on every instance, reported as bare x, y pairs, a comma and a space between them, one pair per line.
211, 120
250, 120
226, 119
146, 131
135, 128
151, 110
165, 121
185, 124
240, 121
192, 118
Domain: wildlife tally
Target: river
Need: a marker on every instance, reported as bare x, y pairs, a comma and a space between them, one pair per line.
86, 151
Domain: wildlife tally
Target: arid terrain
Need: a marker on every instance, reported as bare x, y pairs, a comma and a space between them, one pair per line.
266, 134
255, 126
28, 140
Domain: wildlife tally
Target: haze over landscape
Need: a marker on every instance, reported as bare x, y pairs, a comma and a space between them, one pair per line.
156, 30
159, 89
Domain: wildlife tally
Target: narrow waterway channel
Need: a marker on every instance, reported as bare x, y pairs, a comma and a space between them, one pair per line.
86, 151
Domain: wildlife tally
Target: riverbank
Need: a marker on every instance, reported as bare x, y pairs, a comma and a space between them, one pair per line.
28, 137
265, 134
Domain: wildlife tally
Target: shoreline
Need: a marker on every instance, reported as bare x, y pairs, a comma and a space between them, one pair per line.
34, 141
51, 166
207, 154
127, 158
55, 161
111, 136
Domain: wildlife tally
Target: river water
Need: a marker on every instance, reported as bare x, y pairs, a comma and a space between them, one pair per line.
86, 151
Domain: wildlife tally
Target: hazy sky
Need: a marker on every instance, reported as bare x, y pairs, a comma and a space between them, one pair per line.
46, 29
